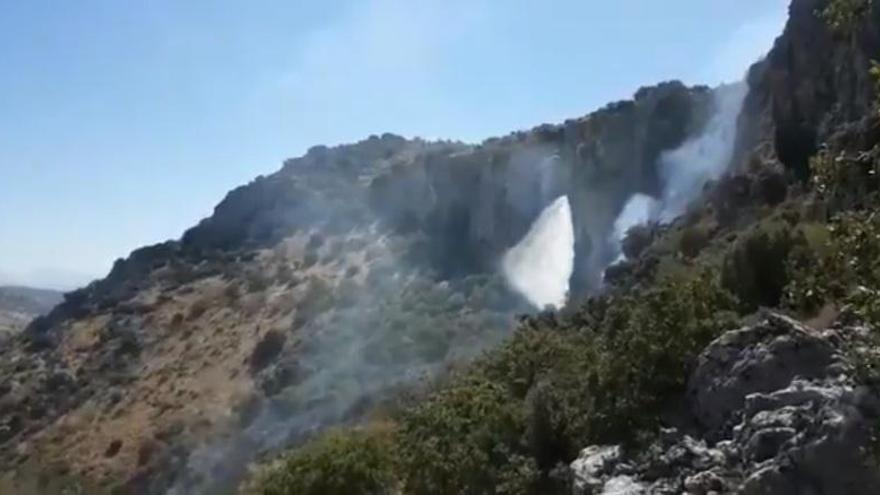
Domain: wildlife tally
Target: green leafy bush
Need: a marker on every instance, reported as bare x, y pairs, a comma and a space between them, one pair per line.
845, 181
649, 343
847, 265
463, 440
754, 268
694, 239
339, 462
843, 15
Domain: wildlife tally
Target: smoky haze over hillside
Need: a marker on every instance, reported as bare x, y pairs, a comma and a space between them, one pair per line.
349, 283
402, 324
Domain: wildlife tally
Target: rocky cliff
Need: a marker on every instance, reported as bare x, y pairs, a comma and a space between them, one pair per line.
815, 79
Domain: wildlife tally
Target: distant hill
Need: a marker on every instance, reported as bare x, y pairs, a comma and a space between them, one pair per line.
20, 305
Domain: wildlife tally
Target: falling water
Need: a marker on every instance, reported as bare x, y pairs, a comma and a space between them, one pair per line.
540, 265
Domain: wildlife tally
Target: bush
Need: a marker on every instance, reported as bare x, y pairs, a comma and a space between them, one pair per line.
694, 239
256, 280
232, 292
755, 269
636, 240
841, 269
339, 462
267, 349
462, 440
197, 309
650, 341
843, 181
843, 15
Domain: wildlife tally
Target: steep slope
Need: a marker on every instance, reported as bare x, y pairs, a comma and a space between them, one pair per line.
311, 295
676, 378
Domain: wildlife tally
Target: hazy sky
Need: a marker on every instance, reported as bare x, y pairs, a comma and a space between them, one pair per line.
122, 123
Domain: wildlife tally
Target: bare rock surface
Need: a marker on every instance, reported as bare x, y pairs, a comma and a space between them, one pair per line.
777, 411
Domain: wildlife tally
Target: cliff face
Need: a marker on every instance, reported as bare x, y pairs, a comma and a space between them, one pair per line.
814, 80
473, 202
476, 203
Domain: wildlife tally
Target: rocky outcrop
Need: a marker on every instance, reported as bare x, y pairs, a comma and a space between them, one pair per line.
777, 410
475, 203
812, 81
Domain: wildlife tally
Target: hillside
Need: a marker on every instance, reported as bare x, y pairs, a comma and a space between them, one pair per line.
354, 307
20, 305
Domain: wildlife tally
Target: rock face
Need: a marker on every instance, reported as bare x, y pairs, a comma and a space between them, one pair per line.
812, 81
480, 201
776, 411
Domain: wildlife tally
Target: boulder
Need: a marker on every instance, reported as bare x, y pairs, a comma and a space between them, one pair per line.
777, 412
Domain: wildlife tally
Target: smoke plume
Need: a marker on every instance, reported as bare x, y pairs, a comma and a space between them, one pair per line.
686, 170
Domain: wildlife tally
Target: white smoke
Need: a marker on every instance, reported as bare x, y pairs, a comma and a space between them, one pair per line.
639, 210
540, 265
686, 170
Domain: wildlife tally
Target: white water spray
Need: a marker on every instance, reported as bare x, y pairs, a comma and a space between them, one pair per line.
540, 265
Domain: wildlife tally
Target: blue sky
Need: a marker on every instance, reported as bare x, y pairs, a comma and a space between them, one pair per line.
124, 123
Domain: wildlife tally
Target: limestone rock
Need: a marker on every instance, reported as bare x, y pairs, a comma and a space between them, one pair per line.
776, 414
590, 466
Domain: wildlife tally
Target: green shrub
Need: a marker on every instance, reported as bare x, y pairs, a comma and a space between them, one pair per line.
197, 309
754, 269
844, 181
232, 292
554, 387
843, 15
694, 239
257, 281
874, 72
339, 462
650, 342
637, 240
462, 440
841, 270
